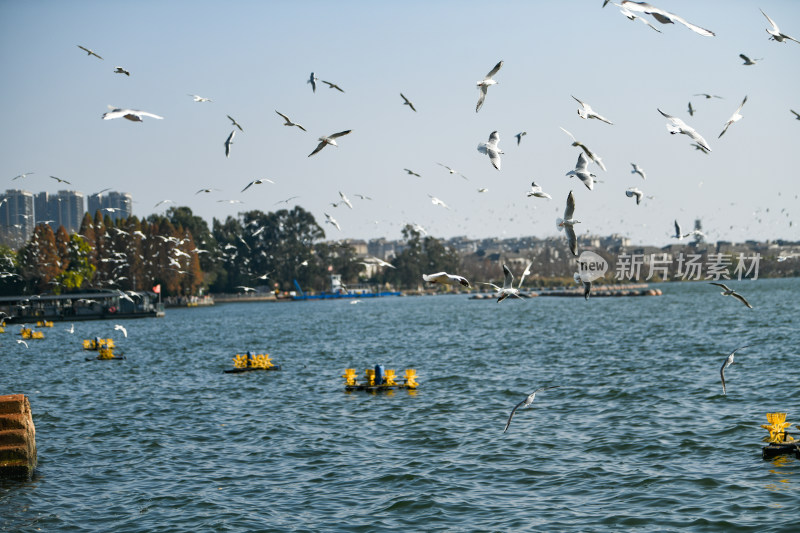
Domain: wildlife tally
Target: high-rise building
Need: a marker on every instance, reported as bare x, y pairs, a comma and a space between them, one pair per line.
70, 209
114, 204
45, 210
16, 217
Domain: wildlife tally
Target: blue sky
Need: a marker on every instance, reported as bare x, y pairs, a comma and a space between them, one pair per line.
252, 58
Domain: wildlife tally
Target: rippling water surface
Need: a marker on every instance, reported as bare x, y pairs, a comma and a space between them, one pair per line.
638, 437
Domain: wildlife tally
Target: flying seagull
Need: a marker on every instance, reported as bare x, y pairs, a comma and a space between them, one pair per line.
484, 84
313, 81
775, 32
662, 16
691, 110
728, 362
330, 220
536, 190
228, 143
708, 96
233, 121
205, 190
508, 288
452, 170
632, 16
257, 182
120, 70
446, 279
587, 284
121, 328
407, 102
633, 191
60, 180
330, 139
587, 112
491, 149
748, 61
436, 201
638, 170
198, 98
730, 292
21, 341
567, 224
734, 118
676, 125
89, 52
412, 173
162, 202
519, 136
26, 174
345, 200
594, 157
332, 86
289, 122
133, 115
526, 403
582, 172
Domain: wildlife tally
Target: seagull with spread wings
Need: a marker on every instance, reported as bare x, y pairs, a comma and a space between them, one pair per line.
725, 364
233, 122
676, 125
538, 192
228, 143
508, 288
526, 403
407, 102
485, 83
582, 172
443, 278
89, 52
730, 292
257, 182
663, 16
567, 224
329, 139
289, 122
586, 112
736, 117
593, 156
491, 149
134, 115
775, 32
332, 86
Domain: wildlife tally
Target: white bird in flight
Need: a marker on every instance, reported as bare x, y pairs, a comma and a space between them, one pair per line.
567, 224
536, 190
730, 292
288, 121
484, 84
594, 157
662, 16
92, 53
332, 86
120, 70
519, 136
19, 341
633, 191
491, 149
748, 61
228, 143
526, 403
407, 102
586, 112
133, 115
446, 279
587, 284
326, 140
451, 171
330, 220
582, 172
633, 16
345, 200
257, 182
775, 32
508, 288
436, 201
638, 170
233, 122
121, 328
313, 81
725, 364
676, 125
198, 98
734, 118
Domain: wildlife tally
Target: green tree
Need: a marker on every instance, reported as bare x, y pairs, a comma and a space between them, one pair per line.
79, 269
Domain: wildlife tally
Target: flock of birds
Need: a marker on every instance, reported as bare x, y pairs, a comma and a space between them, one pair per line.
675, 126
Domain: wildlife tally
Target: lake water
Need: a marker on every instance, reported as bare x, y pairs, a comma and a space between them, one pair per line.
638, 437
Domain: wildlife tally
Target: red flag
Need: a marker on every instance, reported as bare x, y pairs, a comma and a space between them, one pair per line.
157, 289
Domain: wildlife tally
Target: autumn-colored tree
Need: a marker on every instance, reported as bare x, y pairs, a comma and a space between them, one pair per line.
39, 261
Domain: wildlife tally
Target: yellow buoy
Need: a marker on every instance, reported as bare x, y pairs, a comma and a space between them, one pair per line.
777, 428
